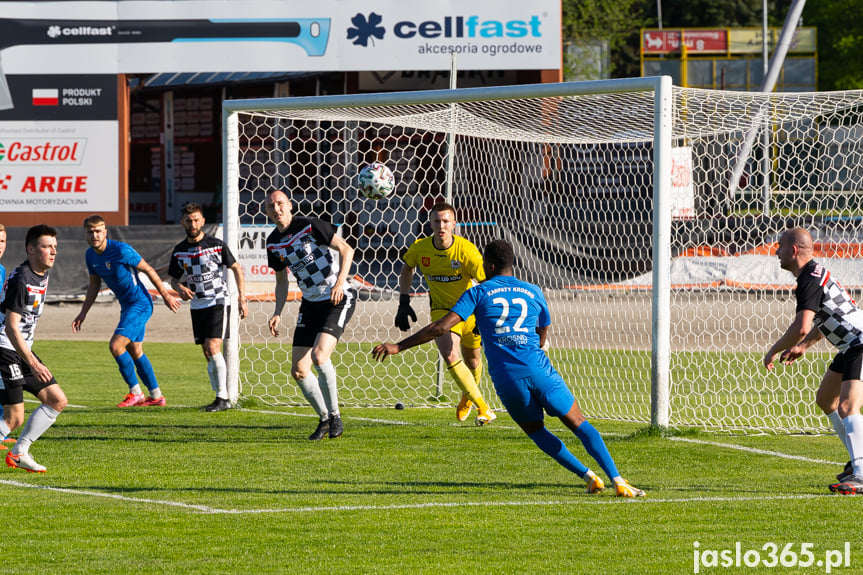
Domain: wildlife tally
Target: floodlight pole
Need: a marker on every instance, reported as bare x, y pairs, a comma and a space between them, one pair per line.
767, 85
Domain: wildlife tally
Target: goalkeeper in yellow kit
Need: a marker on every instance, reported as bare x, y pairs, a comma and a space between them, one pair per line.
450, 265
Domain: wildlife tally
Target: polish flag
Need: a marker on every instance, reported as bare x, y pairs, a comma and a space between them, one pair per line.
46, 97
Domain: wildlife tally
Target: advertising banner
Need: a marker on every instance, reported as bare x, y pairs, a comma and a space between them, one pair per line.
270, 35
58, 145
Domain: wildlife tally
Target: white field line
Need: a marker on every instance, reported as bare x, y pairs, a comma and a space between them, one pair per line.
754, 450
329, 509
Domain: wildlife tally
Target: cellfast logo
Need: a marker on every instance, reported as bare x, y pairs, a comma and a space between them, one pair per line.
470, 27
55, 31
450, 27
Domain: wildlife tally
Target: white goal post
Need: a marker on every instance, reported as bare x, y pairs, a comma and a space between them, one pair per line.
616, 195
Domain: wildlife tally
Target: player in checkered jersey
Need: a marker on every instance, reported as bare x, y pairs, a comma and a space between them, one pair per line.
825, 310
20, 368
303, 245
198, 273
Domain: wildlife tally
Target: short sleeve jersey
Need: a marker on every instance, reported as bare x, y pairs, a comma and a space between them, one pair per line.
204, 264
508, 311
25, 295
117, 266
448, 272
836, 313
303, 247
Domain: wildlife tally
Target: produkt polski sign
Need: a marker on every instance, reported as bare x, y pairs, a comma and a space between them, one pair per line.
59, 145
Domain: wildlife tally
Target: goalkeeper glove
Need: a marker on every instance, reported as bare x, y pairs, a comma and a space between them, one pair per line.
405, 312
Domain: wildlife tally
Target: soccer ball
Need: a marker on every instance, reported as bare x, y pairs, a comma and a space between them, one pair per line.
376, 181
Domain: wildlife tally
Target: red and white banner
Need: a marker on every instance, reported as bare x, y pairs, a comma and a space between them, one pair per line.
58, 167
696, 41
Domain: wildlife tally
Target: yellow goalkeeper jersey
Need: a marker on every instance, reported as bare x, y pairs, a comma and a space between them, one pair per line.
448, 273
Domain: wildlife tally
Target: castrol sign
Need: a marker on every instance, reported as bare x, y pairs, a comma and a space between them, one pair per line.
44, 152
58, 167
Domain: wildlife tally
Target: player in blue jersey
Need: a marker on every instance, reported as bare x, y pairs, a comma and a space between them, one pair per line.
118, 264
513, 319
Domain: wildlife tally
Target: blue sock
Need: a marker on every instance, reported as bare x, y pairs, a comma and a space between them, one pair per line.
127, 369
595, 446
552, 446
145, 372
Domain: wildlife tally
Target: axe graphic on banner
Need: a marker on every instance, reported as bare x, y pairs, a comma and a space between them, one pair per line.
311, 34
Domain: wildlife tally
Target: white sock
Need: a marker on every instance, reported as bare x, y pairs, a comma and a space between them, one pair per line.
38, 423
4, 429
328, 383
312, 392
218, 373
232, 380
839, 427
136, 390
854, 429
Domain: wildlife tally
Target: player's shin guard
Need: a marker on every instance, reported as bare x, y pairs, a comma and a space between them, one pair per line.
127, 369
311, 389
595, 446
552, 446
854, 429
218, 375
146, 373
38, 423
464, 379
327, 381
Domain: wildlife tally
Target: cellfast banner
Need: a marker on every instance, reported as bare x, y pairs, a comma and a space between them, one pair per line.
59, 62
289, 35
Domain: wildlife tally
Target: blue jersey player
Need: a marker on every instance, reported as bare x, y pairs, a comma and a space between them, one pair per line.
118, 265
513, 318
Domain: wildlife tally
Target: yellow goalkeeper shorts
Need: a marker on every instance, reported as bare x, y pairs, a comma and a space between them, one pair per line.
464, 329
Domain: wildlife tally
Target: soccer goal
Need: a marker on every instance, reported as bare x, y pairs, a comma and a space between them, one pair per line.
616, 194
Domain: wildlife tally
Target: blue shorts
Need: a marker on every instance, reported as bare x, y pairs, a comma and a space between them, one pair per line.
133, 321
526, 398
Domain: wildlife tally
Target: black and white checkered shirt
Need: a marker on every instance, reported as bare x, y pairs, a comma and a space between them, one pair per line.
25, 295
204, 264
304, 248
836, 313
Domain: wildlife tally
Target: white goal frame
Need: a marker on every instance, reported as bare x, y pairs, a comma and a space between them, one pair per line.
661, 89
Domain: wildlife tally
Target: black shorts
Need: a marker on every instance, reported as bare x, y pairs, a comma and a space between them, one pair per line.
211, 323
16, 376
849, 363
322, 317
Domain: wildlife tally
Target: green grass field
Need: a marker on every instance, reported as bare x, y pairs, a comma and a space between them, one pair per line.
177, 490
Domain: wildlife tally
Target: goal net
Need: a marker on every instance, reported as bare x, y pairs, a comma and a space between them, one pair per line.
665, 291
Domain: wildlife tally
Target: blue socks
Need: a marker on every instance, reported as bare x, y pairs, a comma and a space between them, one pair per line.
128, 366
595, 446
127, 369
552, 446
146, 373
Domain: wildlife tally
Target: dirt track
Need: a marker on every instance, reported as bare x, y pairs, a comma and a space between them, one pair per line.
700, 321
